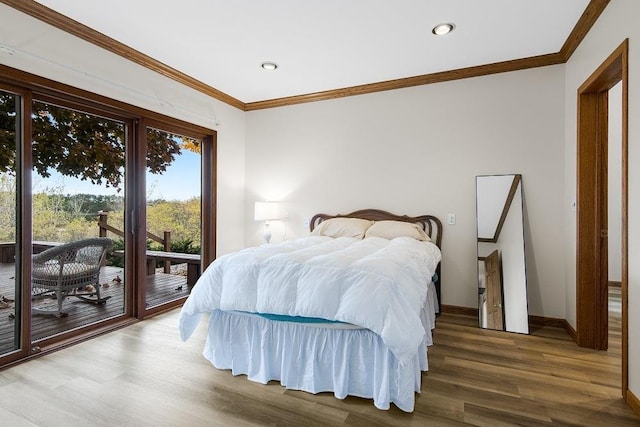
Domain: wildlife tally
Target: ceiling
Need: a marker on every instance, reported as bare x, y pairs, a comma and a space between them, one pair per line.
327, 45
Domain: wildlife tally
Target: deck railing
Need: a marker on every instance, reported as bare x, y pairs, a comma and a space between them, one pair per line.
165, 242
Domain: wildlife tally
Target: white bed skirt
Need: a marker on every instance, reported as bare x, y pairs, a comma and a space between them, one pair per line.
317, 359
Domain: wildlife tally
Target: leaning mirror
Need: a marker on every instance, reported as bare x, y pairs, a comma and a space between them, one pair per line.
502, 280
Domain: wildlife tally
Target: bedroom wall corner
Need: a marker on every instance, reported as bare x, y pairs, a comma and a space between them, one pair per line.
617, 23
415, 151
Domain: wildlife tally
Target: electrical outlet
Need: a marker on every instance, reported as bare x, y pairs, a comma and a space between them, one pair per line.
451, 219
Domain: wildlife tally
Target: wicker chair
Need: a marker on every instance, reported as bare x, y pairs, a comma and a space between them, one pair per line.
67, 269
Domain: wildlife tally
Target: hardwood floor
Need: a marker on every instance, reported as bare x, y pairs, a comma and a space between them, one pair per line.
161, 288
143, 375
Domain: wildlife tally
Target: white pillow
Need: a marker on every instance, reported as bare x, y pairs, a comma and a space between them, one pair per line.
342, 227
392, 229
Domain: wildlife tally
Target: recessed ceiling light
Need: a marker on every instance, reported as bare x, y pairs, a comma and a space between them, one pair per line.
442, 29
269, 65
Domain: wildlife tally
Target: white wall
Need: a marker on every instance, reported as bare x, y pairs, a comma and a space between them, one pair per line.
614, 174
51, 53
618, 22
415, 151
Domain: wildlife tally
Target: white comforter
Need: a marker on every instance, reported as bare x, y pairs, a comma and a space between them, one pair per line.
375, 283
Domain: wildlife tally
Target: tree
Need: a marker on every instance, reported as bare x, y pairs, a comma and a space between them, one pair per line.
192, 145
82, 145
7, 207
182, 218
7, 133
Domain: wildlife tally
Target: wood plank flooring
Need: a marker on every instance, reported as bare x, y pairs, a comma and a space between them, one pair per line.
143, 375
160, 288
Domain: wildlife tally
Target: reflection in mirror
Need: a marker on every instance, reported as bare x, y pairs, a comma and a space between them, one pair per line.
502, 281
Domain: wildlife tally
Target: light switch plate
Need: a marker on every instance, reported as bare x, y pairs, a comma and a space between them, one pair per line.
451, 219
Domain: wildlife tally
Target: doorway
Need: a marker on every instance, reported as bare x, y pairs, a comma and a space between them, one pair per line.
592, 269
614, 223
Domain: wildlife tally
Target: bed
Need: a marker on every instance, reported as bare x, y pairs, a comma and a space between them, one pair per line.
347, 310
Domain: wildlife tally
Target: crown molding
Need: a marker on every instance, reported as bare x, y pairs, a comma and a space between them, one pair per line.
51, 17
425, 79
64, 23
589, 17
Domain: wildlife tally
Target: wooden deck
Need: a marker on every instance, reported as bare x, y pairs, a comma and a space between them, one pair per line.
161, 288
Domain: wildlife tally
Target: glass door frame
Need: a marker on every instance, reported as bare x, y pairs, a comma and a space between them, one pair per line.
208, 185
128, 314
23, 225
136, 119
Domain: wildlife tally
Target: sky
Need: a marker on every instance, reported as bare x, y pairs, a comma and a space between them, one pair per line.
181, 181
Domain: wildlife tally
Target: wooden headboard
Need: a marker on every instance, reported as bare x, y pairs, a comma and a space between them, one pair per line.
429, 223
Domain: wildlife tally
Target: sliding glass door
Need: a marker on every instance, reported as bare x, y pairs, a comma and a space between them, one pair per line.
78, 195
10, 289
173, 216
107, 213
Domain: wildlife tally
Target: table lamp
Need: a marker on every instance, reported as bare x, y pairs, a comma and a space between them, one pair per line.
267, 211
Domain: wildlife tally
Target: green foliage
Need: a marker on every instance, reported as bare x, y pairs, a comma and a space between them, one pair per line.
62, 217
88, 147
185, 246
114, 259
7, 208
90, 204
81, 145
54, 220
181, 218
77, 144
7, 132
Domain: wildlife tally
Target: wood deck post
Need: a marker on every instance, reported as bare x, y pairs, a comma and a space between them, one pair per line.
167, 248
102, 223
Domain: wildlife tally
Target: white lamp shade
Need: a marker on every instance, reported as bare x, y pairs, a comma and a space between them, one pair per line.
264, 211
